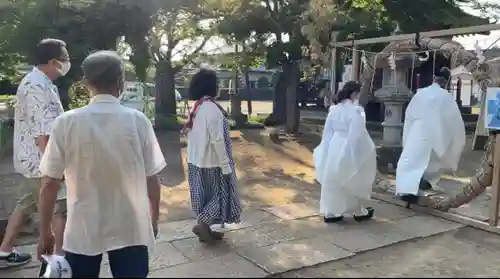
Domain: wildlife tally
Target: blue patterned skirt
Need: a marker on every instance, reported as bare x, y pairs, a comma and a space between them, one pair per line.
214, 197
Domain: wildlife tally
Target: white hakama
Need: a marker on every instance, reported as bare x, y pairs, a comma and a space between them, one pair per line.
433, 139
345, 161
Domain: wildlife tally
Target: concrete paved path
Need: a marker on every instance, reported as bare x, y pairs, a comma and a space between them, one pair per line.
275, 240
461, 253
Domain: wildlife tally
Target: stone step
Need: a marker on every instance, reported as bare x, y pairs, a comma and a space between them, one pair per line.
470, 117
465, 110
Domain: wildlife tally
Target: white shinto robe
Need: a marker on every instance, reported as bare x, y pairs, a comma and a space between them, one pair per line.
345, 161
433, 139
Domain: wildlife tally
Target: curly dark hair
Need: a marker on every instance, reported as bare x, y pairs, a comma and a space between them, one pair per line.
347, 91
203, 83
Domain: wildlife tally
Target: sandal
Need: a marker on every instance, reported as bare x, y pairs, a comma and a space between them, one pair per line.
424, 185
366, 217
329, 220
217, 235
204, 234
410, 199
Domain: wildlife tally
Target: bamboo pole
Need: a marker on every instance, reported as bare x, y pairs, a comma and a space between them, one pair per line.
478, 224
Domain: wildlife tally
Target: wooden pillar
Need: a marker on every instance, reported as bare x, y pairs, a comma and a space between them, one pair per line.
356, 64
481, 134
459, 93
495, 186
333, 81
333, 67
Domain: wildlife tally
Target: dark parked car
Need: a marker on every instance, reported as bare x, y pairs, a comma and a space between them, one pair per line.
311, 92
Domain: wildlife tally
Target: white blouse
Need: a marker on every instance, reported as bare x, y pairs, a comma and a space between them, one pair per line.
206, 147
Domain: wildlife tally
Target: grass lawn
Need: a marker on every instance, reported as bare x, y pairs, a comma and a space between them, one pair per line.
5, 98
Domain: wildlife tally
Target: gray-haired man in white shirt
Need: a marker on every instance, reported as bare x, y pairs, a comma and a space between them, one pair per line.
110, 157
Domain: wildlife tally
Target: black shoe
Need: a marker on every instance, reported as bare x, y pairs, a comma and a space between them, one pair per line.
424, 185
366, 217
410, 199
14, 259
333, 219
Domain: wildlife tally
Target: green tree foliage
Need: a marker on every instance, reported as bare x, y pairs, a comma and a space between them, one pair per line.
249, 47
85, 25
10, 57
178, 35
302, 31
277, 23
356, 19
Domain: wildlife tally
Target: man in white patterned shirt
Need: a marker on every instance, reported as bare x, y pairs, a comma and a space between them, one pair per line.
37, 107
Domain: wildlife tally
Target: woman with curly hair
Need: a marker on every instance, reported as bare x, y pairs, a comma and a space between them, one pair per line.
345, 160
211, 171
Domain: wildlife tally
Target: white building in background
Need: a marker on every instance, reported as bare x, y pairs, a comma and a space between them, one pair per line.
137, 95
469, 88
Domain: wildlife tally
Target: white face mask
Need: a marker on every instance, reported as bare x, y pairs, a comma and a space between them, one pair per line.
65, 67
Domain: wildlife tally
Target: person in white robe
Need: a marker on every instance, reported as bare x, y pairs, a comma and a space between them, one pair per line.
345, 160
433, 139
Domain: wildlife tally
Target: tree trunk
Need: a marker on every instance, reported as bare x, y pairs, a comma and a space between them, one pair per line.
292, 106
249, 92
236, 113
278, 116
165, 104
140, 58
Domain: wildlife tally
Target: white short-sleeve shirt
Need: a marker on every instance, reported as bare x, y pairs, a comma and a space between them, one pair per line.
37, 106
206, 147
106, 151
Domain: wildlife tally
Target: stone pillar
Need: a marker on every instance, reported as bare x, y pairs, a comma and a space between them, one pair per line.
394, 94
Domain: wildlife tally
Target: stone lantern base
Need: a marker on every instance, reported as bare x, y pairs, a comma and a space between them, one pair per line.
387, 158
389, 151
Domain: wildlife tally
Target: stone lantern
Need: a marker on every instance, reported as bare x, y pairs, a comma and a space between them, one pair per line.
394, 94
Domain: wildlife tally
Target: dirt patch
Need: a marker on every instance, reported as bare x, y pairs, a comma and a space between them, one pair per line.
269, 173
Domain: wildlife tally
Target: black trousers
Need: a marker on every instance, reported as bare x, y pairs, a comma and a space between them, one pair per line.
128, 262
